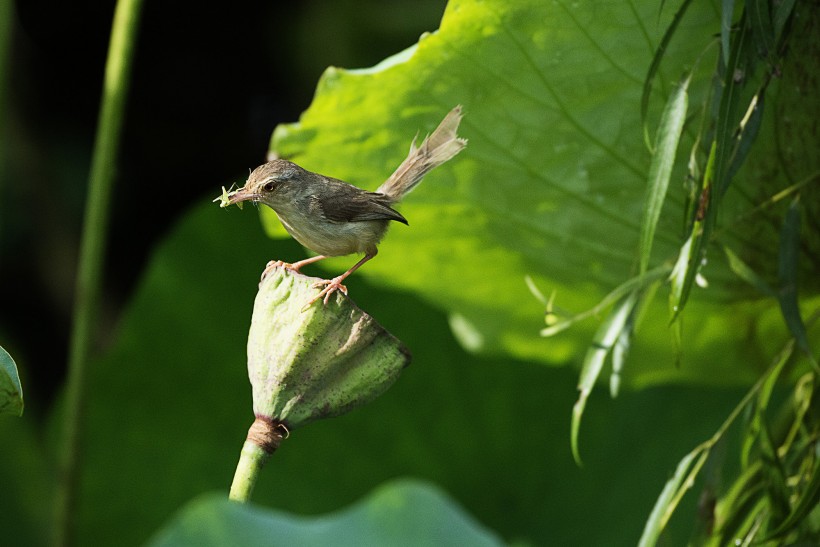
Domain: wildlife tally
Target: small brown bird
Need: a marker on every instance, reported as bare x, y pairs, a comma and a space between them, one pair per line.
334, 218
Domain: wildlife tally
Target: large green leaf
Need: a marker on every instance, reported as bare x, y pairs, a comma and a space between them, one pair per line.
400, 513
27, 479
550, 186
170, 404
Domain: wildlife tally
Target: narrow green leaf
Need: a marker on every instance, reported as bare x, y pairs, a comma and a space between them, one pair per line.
803, 393
767, 388
636, 283
808, 501
619, 352
738, 508
787, 270
743, 271
677, 279
692, 252
605, 337
655, 65
760, 19
660, 170
727, 12
748, 133
666, 502
782, 12
11, 391
622, 345
767, 384
774, 473
735, 79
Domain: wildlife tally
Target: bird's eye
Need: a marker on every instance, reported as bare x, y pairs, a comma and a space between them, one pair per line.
269, 187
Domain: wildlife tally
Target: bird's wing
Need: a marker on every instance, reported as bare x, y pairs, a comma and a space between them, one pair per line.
351, 204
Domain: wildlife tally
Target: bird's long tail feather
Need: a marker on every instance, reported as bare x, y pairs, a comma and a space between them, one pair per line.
434, 150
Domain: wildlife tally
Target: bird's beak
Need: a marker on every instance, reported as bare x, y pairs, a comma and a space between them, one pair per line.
243, 194
236, 197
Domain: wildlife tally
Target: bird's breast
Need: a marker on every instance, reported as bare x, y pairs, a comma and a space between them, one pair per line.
332, 238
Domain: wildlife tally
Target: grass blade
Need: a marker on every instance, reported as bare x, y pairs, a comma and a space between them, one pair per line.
691, 253
602, 344
670, 495
781, 14
787, 270
806, 504
655, 65
727, 12
760, 20
660, 170
554, 325
744, 272
749, 128
741, 505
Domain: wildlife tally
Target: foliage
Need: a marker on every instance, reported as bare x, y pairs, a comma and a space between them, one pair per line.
516, 189
552, 183
558, 187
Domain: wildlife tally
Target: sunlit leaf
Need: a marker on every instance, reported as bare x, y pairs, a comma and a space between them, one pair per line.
660, 169
654, 66
550, 185
690, 256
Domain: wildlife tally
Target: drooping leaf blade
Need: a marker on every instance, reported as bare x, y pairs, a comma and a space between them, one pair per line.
727, 9
747, 274
655, 64
660, 169
807, 502
787, 271
608, 333
692, 251
665, 504
760, 20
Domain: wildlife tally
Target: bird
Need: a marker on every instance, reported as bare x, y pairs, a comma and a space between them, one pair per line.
334, 218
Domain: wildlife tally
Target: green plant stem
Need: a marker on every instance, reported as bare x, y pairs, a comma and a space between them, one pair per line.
91, 257
263, 439
251, 461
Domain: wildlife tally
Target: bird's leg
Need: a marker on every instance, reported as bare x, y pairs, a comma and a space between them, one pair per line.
335, 284
295, 267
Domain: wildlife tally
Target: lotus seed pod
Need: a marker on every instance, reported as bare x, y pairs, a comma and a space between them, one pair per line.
318, 362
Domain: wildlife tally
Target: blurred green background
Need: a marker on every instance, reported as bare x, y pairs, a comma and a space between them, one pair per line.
169, 401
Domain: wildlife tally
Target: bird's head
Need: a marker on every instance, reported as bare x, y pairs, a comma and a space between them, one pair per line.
275, 183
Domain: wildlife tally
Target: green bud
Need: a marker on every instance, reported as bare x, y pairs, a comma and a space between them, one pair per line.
317, 363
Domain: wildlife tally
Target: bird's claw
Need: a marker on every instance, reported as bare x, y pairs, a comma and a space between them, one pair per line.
273, 264
331, 286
